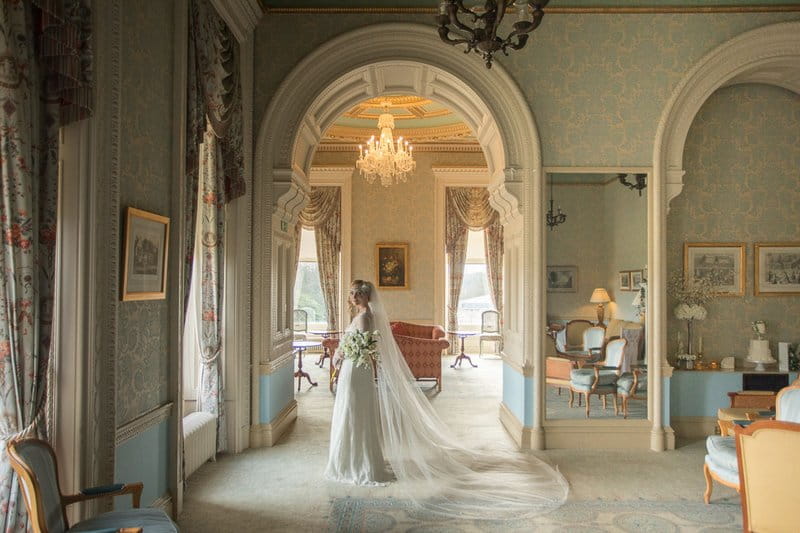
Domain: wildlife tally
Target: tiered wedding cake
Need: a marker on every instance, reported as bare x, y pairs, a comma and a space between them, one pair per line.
759, 353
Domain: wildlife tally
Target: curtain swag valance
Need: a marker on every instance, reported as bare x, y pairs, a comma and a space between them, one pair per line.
323, 213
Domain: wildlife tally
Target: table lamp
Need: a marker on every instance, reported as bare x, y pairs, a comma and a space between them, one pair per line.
600, 297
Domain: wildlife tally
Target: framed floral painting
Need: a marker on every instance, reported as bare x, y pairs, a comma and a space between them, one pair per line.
777, 268
721, 262
391, 264
144, 274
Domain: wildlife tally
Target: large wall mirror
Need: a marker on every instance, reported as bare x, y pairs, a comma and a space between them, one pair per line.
596, 278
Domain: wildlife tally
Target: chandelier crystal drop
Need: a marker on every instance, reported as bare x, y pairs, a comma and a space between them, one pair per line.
384, 157
479, 27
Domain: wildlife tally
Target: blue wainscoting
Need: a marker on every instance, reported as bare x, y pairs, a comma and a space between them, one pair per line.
144, 458
277, 390
518, 394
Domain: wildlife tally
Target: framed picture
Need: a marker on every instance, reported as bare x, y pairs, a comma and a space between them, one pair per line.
777, 268
144, 274
723, 262
562, 279
391, 264
624, 280
636, 280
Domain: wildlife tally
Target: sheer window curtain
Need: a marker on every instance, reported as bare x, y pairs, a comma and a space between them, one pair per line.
469, 208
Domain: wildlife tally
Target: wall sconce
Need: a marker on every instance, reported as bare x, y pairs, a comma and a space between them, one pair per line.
641, 182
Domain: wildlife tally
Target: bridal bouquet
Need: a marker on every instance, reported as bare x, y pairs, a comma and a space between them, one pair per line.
360, 347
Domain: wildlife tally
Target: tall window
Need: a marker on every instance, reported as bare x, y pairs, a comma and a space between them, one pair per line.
475, 297
307, 288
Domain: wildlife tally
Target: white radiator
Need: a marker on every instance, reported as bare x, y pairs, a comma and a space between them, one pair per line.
199, 441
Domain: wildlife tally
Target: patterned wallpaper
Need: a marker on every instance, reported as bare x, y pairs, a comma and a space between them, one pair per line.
597, 84
605, 232
742, 162
400, 213
145, 172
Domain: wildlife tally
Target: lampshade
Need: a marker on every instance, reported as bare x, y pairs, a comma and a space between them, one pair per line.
599, 296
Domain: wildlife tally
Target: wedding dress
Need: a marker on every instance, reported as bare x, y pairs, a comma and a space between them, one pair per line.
356, 451
433, 469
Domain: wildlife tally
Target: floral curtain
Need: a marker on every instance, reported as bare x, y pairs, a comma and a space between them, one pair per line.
324, 214
212, 230
469, 208
45, 82
214, 96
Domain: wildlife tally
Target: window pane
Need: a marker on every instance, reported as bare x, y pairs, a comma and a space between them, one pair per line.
307, 288
475, 297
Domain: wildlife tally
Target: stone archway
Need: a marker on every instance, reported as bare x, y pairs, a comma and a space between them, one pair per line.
400, 58
770, 55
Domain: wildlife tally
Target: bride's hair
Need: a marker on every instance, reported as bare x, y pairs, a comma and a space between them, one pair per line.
364, 288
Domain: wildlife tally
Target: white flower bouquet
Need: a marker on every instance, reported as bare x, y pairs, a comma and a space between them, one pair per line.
361, 347
690, 312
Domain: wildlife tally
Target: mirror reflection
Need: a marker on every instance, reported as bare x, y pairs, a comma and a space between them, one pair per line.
596, 277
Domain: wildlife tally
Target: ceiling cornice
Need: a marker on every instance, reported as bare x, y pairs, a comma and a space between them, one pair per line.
555, 10
242, 16
431, 147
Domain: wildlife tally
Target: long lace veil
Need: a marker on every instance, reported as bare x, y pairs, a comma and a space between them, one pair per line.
436, 471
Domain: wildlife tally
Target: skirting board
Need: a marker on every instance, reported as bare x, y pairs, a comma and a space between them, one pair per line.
522, 435
599, 437
164, 503
265, 435
694, 427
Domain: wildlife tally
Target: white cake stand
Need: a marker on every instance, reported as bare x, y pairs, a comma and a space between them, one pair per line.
760, 363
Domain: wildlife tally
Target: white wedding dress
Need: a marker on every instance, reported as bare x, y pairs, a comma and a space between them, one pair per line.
433, 468
356, 449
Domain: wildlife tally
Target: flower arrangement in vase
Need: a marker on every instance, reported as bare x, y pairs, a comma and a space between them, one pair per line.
691, 295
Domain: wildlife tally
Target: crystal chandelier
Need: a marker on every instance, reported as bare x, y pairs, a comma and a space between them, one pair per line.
383, 157
483, 36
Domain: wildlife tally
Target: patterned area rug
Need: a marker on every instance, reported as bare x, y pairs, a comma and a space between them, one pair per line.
373, 516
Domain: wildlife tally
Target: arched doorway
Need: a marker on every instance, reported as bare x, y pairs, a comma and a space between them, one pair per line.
768, 55
399, 58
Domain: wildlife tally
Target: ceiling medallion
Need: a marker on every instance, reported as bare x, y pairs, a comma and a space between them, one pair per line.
482, 35
383, 157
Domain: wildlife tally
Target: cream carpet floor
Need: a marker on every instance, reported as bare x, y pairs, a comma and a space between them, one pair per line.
282, 489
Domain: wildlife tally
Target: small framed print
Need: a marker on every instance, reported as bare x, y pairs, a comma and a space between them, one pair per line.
391, 264
636, 280
145, 256
562, 279
624, 280
777, 268
722, 262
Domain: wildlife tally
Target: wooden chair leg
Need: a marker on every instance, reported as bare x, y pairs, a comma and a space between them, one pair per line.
604, 402
707, 473
614, 401
587, 404
559, 391
572, 397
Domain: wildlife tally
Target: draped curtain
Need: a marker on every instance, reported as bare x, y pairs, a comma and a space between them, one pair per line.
468, 208
324, 214
214, 119
45, 83
212, 232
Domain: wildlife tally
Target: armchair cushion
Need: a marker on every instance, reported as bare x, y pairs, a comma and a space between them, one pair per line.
722, 452
728, 476
788, 405
625, 384
582, 378
149, 519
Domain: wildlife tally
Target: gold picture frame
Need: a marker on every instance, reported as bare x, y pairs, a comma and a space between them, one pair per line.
144, 274
391, 265
725, 261
776, 268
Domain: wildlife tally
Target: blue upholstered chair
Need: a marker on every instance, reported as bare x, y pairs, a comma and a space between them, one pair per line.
600, 379
721, 464
300, 324
593, 339
35, 464
629, 385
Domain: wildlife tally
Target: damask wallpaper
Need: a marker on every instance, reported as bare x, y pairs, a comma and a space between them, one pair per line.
742, 162
145, 182
400, 213
597, 84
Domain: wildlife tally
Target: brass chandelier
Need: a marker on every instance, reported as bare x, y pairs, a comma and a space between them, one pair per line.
482, 36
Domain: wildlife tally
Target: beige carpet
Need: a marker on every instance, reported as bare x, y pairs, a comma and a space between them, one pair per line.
281, 488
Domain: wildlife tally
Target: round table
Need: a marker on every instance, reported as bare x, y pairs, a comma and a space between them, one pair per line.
302, 346
325, 334
462, 335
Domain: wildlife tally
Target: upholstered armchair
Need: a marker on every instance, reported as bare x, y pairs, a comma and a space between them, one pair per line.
600, 379
594, 339
490, 331
573, 334
35, 463
422, 347
557, 373
721, 463
629, 385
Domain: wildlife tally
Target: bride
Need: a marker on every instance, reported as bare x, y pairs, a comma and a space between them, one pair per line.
394, 422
